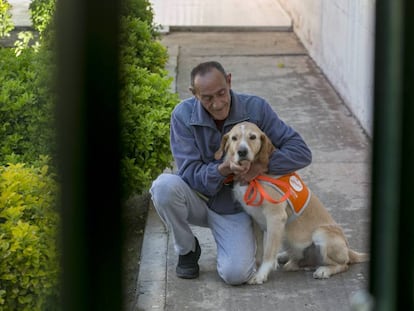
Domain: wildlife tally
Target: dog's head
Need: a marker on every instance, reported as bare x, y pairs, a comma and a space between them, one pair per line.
245, 142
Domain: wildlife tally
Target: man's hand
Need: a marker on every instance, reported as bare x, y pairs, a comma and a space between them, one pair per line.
243, 172
255, 169
227, 168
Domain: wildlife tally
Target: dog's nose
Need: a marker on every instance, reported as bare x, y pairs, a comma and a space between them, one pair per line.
242, 152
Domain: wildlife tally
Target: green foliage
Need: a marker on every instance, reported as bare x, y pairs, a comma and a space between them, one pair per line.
140, 9
25, 39
26, 103
26, 106
28, 249
6, 24
42, 12
28, 221
147, 103
139, 48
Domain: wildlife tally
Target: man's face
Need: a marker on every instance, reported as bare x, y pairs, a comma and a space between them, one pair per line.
213, 91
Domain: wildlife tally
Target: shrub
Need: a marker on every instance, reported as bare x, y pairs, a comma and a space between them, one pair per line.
6, 24
146, 106
42, 12
26, 110
28, 220
27, 105
139, 48
140, 9
28, 249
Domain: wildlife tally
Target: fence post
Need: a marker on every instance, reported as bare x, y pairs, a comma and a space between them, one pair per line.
391, 272
89, 153
405, 276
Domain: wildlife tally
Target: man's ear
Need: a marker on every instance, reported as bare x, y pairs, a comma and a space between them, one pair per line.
228, 80
223, 148
192, 90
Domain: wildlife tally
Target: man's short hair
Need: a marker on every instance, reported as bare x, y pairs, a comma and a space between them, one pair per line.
203, 68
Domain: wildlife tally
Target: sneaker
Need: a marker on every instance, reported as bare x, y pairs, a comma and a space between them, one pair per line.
187, 267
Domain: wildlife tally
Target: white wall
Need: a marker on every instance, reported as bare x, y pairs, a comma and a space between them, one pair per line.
339, 36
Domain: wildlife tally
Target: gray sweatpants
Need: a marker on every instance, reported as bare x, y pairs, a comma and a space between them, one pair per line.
179, 206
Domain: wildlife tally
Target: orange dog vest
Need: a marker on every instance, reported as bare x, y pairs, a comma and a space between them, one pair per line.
300, 193
291, 186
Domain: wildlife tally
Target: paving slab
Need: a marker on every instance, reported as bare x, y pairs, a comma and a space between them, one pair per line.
340, 175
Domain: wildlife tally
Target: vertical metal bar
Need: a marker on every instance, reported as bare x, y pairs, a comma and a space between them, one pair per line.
392, 267
89, 153
405, 280
386, 153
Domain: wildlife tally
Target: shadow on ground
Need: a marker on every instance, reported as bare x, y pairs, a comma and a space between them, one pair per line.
133, 219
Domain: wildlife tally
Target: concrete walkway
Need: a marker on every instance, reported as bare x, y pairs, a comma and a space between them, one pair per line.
275, 66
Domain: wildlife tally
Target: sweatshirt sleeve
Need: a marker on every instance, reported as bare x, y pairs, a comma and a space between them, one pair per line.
292, 152
200, 176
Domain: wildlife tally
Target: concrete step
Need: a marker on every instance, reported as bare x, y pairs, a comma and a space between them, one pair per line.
221, 15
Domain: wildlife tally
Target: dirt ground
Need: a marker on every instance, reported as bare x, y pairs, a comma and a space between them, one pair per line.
134, 218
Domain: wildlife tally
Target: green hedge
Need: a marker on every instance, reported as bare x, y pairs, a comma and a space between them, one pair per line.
140, 9
42, 12
147, 103
26, 109
28, 249
6, 24
28, 222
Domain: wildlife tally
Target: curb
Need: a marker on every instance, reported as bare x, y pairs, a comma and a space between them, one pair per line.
151, 284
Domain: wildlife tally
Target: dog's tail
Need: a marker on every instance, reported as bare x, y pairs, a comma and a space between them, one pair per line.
355, 257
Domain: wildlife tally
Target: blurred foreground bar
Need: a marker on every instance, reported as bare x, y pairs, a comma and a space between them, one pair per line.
392, 258
89, 153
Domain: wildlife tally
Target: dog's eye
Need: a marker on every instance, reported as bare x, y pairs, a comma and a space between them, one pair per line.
252, 137
234, 138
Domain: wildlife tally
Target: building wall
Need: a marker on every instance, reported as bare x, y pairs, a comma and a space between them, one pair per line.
339, 36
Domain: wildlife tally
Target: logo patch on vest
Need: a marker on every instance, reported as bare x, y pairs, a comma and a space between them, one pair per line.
300, 193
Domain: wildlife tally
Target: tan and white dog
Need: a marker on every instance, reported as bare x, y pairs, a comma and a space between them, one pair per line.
312, 239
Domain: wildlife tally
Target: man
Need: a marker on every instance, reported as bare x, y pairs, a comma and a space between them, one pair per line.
196, 194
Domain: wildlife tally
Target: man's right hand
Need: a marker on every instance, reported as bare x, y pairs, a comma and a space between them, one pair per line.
227, 168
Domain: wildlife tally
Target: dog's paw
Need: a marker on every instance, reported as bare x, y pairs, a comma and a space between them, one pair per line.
322, 273
261, 275
257, 279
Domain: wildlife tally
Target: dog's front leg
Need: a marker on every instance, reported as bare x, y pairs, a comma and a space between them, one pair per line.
259, 236
275, 223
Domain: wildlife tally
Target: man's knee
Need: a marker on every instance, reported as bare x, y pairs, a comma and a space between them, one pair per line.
236, 273
165, 188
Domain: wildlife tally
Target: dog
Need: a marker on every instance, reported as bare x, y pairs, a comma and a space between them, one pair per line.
310, 239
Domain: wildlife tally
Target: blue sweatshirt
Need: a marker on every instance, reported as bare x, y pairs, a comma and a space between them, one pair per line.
195, 138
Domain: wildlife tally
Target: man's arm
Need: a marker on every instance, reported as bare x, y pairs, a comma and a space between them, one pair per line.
202, 177
292, 152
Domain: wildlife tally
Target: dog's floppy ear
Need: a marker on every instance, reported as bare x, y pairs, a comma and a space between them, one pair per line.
223, 148
265, 150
